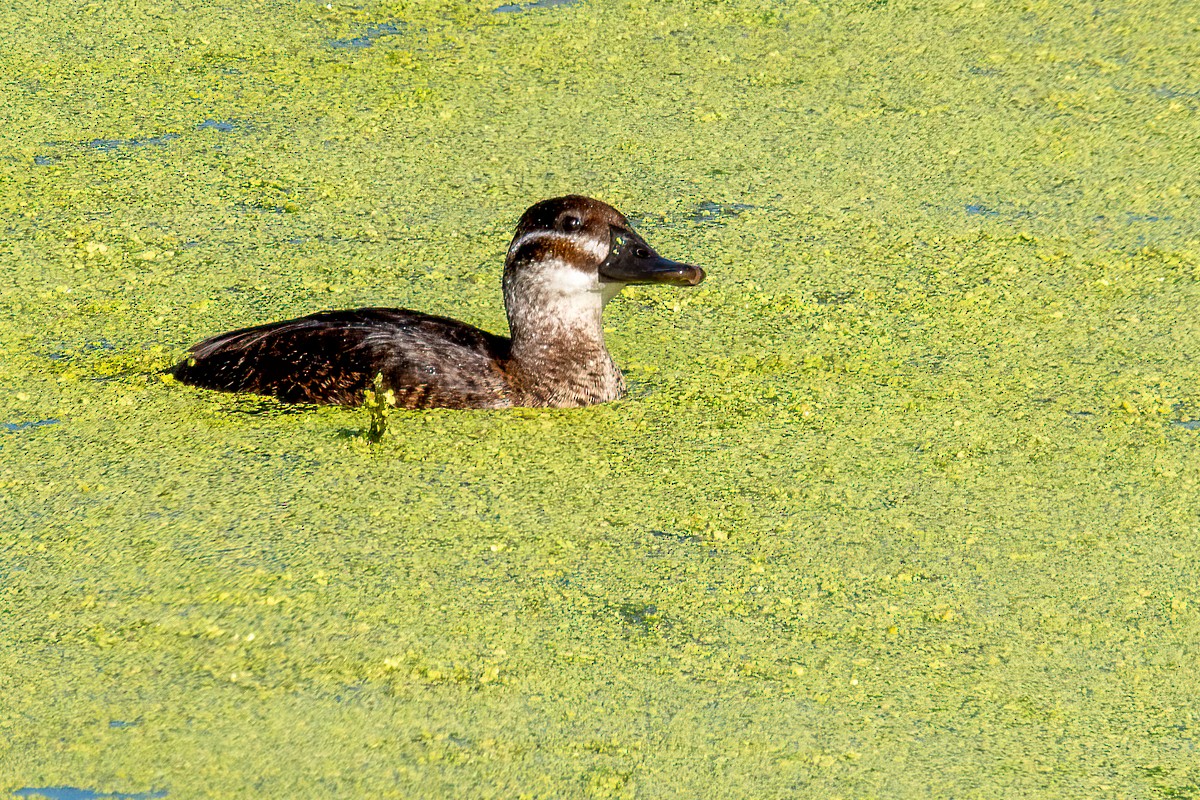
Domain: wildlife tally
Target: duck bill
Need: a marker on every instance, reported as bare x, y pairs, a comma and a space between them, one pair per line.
633, 261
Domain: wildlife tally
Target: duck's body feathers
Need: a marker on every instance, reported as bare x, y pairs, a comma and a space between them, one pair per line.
334, 356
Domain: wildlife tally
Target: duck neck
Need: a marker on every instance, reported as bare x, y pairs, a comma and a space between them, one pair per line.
558, 353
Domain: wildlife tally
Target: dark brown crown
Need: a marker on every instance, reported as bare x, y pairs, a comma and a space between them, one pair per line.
551, 214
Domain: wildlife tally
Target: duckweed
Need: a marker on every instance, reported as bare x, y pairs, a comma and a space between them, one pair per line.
902, 503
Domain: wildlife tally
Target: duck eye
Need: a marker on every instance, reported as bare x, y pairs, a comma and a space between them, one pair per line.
571, 224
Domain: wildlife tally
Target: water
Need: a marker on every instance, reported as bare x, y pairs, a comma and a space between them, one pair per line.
76, 793
13, 427
513, 8
110, 145
373, 33
853, 535
710, 213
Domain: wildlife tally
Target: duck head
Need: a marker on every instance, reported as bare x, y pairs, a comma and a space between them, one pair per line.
570, 256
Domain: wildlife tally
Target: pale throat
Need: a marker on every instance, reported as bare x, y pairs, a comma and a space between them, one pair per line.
555, 304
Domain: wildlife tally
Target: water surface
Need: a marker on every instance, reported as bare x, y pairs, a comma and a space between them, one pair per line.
902, 504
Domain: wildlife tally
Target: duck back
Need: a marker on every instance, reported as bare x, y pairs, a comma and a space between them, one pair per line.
332, 357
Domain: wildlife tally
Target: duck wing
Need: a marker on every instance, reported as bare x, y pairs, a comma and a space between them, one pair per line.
332, 357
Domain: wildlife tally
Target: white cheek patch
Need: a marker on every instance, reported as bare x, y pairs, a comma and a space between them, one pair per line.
595, 248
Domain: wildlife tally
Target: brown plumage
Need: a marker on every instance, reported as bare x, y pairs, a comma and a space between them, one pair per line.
570, 255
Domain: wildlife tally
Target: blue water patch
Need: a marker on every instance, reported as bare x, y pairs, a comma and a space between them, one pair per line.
372, 33
74, 793
44, 161
68, 353
707, 213
1168, 93
513, 8
1191, 424
216, 125
109, 145
710, 213
999, 209
13, 427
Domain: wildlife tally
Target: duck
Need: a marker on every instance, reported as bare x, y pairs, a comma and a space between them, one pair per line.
567, 259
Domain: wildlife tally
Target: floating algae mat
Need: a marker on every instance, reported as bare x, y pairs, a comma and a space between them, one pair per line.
902, 503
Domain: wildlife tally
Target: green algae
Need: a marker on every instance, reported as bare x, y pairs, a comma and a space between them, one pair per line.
902, 502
